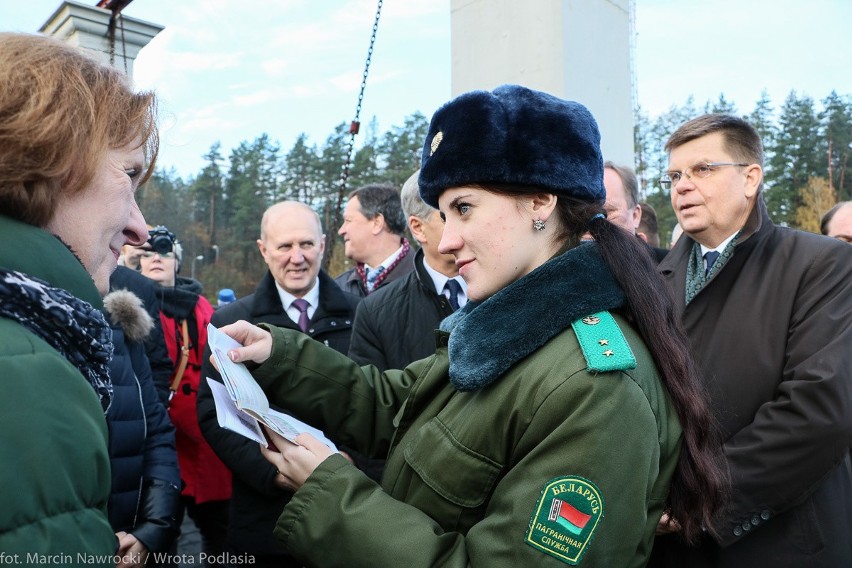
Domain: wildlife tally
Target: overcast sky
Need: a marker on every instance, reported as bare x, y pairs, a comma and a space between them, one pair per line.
230, 70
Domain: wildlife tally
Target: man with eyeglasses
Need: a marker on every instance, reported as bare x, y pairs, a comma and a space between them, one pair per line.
768, 312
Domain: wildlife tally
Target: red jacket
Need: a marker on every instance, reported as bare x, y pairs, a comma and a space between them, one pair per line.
205, 477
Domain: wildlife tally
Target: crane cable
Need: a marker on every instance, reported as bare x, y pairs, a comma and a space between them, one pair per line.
116, 18
354, 127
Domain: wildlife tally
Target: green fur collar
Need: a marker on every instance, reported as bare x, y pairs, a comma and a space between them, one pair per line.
487, 338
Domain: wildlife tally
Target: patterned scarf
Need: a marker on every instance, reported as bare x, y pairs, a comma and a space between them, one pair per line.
70, 325
362, 270
695, 277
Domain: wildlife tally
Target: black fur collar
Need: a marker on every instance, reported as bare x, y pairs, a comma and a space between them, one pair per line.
487, 338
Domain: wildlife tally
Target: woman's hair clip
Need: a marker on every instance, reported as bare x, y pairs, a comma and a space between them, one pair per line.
598, 216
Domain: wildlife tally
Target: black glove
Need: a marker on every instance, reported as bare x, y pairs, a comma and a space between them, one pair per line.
157, 524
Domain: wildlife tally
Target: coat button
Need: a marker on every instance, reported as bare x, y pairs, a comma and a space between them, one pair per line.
348, 322
746, 526
755, 520
764, 515
738, 531
333, 324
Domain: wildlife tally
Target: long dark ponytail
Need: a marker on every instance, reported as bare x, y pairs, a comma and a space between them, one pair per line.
700, 485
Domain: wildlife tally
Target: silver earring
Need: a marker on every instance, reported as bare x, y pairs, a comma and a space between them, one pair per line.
538, 225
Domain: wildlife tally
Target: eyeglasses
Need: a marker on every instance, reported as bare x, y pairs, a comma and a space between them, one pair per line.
700, 170
151, 253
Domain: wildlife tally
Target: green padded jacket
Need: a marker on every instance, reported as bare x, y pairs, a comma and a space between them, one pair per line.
54, 466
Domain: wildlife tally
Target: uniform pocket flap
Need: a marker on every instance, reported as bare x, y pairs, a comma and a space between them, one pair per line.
457, 473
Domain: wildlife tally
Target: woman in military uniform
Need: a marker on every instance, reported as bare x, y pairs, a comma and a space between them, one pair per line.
561, 415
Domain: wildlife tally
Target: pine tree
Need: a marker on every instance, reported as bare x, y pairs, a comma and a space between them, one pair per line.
663, 127
335, 187
164, 200
836, 119
761, 118
796, 156
253, 184
642, 149
365, 162
400, 149
206, 192
722, 106
301, 176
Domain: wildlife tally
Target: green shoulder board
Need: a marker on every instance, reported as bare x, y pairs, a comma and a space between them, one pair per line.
603, 344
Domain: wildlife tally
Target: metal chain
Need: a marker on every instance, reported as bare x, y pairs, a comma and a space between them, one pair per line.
123, 43
111, 38
114, 18
354, 127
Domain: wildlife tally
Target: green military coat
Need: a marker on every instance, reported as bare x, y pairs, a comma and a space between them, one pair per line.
521, 456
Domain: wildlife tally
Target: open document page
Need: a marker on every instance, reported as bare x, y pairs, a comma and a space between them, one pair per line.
241, 403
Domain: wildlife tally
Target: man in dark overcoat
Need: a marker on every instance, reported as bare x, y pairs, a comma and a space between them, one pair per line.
768, 311
294, 293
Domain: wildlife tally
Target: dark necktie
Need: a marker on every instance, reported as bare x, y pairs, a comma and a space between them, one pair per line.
454, 288
302, 305
710, 257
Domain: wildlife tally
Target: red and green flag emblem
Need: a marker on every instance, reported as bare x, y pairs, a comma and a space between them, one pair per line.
568, 516
565, 518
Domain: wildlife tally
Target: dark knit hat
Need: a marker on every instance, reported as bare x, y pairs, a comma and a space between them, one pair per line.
513, 135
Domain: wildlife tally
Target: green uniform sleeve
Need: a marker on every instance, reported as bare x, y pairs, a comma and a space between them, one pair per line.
355, 406
601, 429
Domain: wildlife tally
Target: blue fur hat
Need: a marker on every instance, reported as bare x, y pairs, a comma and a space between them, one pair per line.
513, 135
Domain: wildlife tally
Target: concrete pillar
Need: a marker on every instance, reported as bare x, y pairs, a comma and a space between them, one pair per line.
574, 49
88, 27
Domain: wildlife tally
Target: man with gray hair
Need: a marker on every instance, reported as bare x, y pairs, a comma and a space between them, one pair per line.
397, 324
372, 231
294, 293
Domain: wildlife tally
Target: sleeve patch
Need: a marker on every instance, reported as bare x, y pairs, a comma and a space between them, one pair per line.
565, 518
603, 344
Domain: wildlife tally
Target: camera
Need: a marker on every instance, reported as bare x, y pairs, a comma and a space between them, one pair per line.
161, 239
